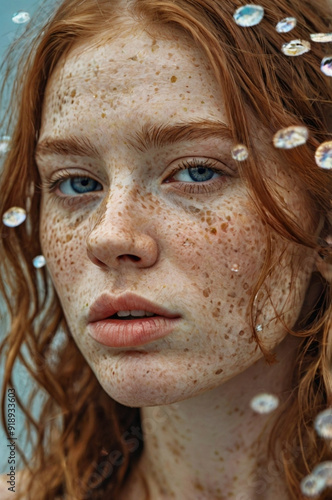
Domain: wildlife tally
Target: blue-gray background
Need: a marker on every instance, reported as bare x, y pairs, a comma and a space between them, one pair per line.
10, 31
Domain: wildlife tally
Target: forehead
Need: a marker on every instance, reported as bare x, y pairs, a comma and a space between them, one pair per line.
108, 91
133, 74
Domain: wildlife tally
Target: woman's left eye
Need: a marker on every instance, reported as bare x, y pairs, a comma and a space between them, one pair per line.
191, 174
196, 174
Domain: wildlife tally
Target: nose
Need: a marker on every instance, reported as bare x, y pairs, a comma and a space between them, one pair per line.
121, 236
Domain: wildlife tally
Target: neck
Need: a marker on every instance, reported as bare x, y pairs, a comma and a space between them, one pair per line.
214, 445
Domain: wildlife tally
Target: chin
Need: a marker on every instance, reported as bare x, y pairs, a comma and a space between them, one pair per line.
135, 397
140, 393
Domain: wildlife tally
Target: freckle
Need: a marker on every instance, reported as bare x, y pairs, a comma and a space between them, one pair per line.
73, 93
185, 109
226, 336
103, 115
241, 333
219, 371
224, 226
173, 79
199, 487
216, 313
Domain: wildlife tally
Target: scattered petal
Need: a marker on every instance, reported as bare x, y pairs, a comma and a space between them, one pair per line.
312, 485
321, 37
324, 470
39, 261
21, 17
235, 268
4, 144
259, 328
290, 137
14, 217
296, 47
323, 424
264, 403
323, 155
249, 15
286, 25
240, 152
326, 66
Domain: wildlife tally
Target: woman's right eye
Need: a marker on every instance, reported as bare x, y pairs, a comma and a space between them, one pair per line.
78, 185
71, 185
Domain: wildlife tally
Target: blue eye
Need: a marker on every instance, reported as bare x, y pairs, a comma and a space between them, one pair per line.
197, 174
193, 176
78, 185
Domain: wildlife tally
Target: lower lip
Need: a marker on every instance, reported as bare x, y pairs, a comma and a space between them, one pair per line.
131, 333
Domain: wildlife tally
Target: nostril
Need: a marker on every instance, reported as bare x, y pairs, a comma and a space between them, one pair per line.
130, 257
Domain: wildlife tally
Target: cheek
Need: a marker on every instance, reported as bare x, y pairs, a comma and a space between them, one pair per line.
62, 247
285, 288
223, 254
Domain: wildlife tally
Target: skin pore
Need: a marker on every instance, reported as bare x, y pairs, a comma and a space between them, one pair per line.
195, 248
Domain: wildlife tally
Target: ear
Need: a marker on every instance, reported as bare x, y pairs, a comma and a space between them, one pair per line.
324, 262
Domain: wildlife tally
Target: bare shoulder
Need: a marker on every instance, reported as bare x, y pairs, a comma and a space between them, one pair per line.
9, 486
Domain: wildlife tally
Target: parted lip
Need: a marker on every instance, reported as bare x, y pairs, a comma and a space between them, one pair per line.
106, 305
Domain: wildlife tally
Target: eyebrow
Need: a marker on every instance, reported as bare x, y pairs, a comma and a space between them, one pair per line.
150, 136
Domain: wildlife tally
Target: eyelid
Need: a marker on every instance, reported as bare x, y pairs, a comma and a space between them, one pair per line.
51, 181
208, 187
195, 161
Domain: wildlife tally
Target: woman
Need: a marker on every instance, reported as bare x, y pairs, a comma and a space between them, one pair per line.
142, 149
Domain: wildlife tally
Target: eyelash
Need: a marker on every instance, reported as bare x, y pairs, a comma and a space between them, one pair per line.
51, 184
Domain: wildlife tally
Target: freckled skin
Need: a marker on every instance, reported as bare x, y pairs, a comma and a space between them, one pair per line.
185, 247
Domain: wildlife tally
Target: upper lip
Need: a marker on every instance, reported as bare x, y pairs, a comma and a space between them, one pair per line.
106, 305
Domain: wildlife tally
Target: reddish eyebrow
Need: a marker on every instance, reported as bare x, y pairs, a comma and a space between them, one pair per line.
71, 145
150, 136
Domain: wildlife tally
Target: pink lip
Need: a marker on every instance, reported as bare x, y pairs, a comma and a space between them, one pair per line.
132, 332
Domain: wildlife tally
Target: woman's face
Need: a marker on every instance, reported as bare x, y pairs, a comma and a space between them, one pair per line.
190, 241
